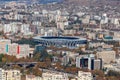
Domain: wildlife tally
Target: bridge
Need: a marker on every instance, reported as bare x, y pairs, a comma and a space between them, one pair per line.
22, 64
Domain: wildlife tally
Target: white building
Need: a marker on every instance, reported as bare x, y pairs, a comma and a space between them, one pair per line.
65, 60
86, 19
25, 29
6, 47
107, 56
33, 77
104, 19
84, 75
10, 74
7, 28
3, 42
84, 61
54, 76
11, 27
2, 76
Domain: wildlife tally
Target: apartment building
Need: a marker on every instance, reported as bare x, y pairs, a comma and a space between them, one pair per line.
10, 74
33, 77
84, 75
54, 76
107, 56
6, 47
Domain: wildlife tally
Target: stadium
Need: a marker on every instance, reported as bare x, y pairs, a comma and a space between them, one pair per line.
69, 42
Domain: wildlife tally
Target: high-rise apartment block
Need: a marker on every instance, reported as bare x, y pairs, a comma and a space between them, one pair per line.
88, 62
6, 47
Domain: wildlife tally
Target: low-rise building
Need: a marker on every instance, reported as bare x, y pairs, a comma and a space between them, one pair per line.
33, 77
107, 56
84, 75
54, 76
10, 74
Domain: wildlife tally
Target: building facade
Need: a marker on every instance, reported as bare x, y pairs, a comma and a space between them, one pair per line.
6, 47
84, 75
10, 74
54, 76
84, 61
107, 56
89, 62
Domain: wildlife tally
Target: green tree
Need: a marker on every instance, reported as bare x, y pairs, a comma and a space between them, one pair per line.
37, 56
1, 56
113, 73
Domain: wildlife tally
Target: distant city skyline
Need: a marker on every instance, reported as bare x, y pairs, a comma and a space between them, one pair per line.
39, 1
59, 39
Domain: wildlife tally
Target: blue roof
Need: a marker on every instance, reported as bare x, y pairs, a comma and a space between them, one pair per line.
52, 37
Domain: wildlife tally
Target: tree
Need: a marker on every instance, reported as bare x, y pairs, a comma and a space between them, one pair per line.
8, 58
23, 77
72, 70
1, 56
16, 67
112, 78
58, 66
37, 71
42, 65
26, 41
4, 60
48, 61
113, 73
37, 56
98, 73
